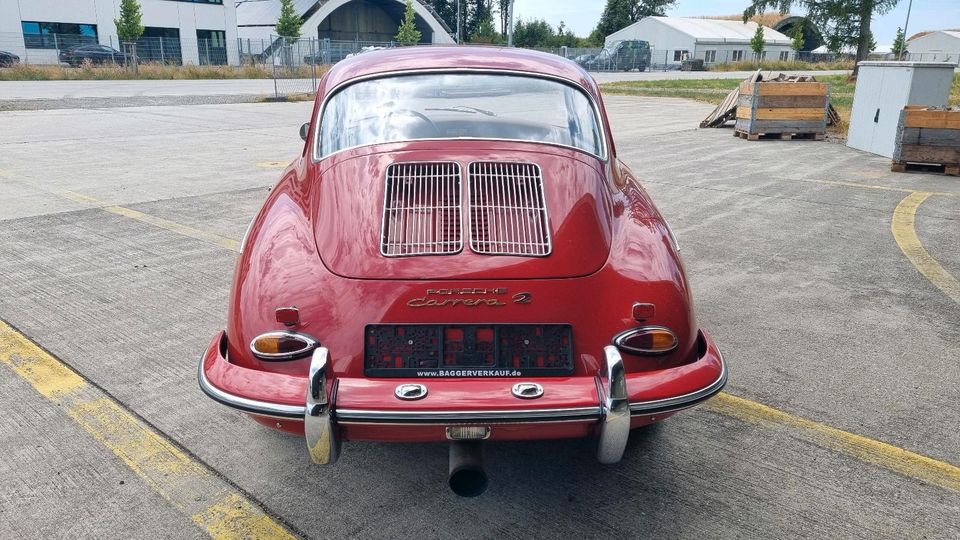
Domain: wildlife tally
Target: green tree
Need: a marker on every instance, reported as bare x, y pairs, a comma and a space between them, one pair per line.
798, 39
757, 43
533, 34
129, 25
288, 25
842, 22
619, 14
408, 34
899, 43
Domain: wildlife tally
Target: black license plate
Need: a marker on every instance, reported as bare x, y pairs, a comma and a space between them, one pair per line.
468, 350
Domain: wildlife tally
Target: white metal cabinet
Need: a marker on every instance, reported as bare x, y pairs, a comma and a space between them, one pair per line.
883, 89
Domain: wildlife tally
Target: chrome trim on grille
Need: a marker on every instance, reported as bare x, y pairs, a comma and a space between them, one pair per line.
507, 209
348, 416
421, 209
686, 400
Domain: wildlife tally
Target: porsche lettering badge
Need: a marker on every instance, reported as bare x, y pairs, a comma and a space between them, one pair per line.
481, 296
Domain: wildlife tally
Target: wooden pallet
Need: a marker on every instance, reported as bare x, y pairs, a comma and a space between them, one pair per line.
949, 169
777, 136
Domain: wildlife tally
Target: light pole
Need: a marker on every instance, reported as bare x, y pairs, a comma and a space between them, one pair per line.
510, 24
905, 25
458, 21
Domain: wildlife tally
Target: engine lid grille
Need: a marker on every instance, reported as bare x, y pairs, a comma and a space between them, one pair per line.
421, 210
508, 214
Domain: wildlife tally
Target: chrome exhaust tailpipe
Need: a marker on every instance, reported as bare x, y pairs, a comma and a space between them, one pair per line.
467, 476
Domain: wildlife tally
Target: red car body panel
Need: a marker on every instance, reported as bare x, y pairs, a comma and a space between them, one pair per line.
315, 245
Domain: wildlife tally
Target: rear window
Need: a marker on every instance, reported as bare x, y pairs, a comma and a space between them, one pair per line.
459, 106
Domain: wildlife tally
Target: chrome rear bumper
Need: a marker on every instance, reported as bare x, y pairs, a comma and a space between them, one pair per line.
320, 417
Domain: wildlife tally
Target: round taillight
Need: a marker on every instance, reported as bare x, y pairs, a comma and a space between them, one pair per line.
646, 340
282, 345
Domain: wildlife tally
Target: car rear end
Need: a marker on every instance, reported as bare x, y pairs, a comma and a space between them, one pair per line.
504, 283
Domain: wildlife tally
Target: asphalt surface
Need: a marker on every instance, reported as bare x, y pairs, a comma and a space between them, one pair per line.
796, 274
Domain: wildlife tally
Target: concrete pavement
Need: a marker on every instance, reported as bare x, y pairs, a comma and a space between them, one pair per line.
793, 265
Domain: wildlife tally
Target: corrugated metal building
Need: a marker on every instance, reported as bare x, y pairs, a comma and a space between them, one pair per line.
939, 46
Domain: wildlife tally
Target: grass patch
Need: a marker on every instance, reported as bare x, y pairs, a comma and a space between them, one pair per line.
714, 90
788, 65
150, 71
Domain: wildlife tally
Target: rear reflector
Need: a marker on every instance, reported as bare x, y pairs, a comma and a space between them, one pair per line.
643, 311
646, 340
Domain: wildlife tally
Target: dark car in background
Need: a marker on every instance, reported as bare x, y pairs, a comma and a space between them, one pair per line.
96, 54
8, 59
624, 55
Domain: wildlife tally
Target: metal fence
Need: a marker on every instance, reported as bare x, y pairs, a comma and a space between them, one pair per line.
74, 49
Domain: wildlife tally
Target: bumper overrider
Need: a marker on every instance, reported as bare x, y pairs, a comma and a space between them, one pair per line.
608, 404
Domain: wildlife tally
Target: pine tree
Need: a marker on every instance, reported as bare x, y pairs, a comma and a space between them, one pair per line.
288, 25
129, 25
757, 43
899, 43
798, 39
407, 33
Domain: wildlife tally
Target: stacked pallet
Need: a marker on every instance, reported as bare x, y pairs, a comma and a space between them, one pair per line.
928, 137
782, 109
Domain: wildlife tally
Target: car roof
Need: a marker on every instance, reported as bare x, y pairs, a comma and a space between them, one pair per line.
440, 58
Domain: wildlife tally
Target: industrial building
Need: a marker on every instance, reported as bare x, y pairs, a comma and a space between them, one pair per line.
938, 46
176, 31
674, 39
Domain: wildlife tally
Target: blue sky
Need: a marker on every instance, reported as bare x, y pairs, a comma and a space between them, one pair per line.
582, 15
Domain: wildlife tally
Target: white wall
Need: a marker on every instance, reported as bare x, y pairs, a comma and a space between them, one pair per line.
187, 16
936, 47
665, 39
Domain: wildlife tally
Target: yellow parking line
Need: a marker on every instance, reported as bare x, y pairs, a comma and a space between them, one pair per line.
273, 164
173, 226
885, 455
190, 486
903, 227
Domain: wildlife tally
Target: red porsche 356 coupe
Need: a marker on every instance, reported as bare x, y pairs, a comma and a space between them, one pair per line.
459, 256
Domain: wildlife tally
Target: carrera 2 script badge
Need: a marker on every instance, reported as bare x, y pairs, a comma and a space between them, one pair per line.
470, 297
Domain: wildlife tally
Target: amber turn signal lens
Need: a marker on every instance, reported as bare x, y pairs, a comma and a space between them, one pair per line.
282, 345
646, 340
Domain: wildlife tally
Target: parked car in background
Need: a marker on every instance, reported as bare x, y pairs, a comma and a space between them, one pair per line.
8, 59
584, 58
96, 54
624, 55
459, 256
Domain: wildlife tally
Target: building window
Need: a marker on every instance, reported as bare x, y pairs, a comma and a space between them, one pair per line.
784, 56
710, 57
160, 45
681, 55
763, 55
737, 56
212, 46
54, 35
